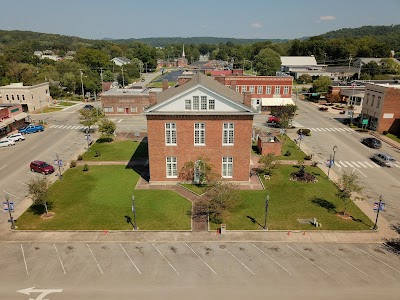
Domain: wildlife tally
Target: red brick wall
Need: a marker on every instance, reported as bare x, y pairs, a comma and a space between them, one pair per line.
267, 147
126, 101
391, 105
186, 151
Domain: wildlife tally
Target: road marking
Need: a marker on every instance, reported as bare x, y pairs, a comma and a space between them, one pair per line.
309, 260
378, 260
12, 195
240, 262
328, 129
52, 126
23, 255
22, 182
369, 164
120, 120
101, 271
360, 172
59, 258
130, 259
202, 260
338, 163
42, 292
3, 167
272, 259
362, 164
318, 129
354, 163
348, 129
166, 259
34, 147
344, 260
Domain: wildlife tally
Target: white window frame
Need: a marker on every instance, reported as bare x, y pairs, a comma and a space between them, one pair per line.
108, 109
188, 104
120, 109
268, 89
133, 109
211, 104
277, 90
237, 88
227, 167
203, 103
196, 103
228, 134
286, 90
244, 89
199, 134
251, 89
170, 134
171, 166
259, 89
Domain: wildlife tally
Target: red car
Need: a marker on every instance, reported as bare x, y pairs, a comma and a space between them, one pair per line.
41, 167
273, 119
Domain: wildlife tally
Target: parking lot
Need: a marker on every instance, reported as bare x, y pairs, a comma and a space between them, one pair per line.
101, 269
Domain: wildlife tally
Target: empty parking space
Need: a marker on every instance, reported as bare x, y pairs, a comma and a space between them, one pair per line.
12, 261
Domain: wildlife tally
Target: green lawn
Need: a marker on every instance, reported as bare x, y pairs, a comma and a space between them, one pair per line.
101, 198
199, 190
64, 103
393, 137
290, 201
158, 84
116, 151
296, 154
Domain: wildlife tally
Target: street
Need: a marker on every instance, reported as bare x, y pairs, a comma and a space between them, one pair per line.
351, 155
198, 270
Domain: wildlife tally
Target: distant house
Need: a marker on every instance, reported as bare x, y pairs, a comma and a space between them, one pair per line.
120, 61
358, 62
299, 65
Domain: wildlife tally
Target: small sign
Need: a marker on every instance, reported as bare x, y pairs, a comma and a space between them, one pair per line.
6, 207
376, 204
365, 122
133, 208
381, 208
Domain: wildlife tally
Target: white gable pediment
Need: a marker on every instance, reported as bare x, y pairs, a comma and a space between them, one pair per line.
204, 97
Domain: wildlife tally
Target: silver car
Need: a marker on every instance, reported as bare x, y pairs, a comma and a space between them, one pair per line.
383, 159
6, 143
16, 137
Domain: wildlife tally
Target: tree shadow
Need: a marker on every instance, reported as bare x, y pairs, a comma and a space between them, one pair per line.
359, 221
329, 206
253, 220
104, 140
396, 227
39, 209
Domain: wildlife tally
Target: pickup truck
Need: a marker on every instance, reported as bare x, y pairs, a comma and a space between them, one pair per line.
31, 128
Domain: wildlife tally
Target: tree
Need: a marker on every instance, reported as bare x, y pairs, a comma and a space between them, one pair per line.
267, 62
285, 113
38, 188
199, 172
321, 84
107, 127
306, 78
268, 164
89, 117
348, 184
220, 199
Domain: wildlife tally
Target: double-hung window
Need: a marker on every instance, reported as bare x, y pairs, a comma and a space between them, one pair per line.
172, 168
268, 89
286, 90
195, 102
277, 89
188, 104
170, 133
199, 134
203, 103
227, 167
244, 89
211, 104
228, 134
251, 89
259, 89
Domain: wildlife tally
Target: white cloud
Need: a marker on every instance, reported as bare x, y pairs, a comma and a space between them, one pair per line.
256, 25
327, 18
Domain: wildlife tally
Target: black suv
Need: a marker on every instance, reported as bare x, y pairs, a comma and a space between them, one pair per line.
88, 106
372, 143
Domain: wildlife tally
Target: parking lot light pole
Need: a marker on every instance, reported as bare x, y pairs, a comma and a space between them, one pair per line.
377, 213
9, 211
59, 166
332, 159
266, 212
134, 212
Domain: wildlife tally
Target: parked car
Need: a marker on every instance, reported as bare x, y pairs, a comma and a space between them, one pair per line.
273, 119
31, 128
6, 143
383, 159
372, 143
41, 167
88, 106
16, 137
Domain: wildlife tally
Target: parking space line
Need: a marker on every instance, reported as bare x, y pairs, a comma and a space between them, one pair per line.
130, 259
34, 147
12, 195
240, 262
23, 255
272, 259
59, 258
22, 182
378, 259
101, 271
201, 259
55, 132
344, 260
166, 259
3, 167
309, 260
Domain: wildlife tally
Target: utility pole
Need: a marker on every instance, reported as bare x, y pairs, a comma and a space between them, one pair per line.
101, 78
123, 79
83, 91
9, 211
325, 56
377, 213
59, 166
350, 58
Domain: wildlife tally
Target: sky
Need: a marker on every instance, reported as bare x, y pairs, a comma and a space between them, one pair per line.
264, 19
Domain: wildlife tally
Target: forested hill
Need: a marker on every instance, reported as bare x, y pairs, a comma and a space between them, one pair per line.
162, 41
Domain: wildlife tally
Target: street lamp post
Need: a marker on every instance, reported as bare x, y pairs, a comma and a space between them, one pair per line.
377, 213
134, 212
266, 212
332, 159
83, 91
9, 211
301, 136
59, 166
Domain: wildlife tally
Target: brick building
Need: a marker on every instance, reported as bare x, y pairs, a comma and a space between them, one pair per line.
200, 118
266, 91
11, 118
381, 107
127, 101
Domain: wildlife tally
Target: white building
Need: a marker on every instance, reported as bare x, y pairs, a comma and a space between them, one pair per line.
120, 61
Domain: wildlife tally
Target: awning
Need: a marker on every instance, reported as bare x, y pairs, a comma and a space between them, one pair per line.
20, 116
276, 101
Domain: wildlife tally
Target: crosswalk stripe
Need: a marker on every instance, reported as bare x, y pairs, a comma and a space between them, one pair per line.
346, 164
340, 164
396, 165
69, 127
312, 129
354, 163
52, 126
369, 164
328, 129
341, 129
334, 129
318, 129
362, 164
347, 129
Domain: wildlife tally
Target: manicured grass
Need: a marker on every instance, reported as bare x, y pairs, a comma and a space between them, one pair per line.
63, 103
296, 154
393, 137
199, 190
100, 199
290, 201
158, 84
48, 110
116, 151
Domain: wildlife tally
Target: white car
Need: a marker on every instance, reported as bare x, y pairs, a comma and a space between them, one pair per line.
16, 137
6, 142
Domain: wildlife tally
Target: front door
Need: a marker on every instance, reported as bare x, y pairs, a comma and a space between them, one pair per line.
127, 110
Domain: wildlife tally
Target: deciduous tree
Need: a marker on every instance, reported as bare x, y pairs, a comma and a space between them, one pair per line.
38, 188
348, 184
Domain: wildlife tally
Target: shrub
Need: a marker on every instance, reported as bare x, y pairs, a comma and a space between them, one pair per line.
385, 132
308, 157
80, 157
305, 131
85, 167
288, 153
97, 154
72, 164
314, 164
